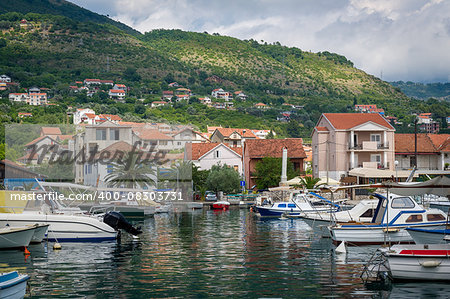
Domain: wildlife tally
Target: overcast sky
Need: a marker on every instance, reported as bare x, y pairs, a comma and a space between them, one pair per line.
398, 39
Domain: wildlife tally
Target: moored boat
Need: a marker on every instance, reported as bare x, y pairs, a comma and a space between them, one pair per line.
320, 221
429, 236
221, 205
299, 204
13, 285
16, 237
418, 262
39, 233
389, 222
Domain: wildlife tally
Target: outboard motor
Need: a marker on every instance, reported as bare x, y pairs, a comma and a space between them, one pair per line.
118, 221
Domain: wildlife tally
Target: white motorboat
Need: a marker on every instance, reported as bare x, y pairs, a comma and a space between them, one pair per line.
192, 205
299, 204
418, 262
13, 285
320, 221
430, 236
39, 233
16, 237
389, 222
63, 227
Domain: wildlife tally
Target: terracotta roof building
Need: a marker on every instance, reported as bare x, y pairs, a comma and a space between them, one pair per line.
432, 151
345, 141
255, 150
232, 137
205, 155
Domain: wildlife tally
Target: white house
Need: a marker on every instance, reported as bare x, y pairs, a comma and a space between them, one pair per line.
18, 97
205, 155
80, 116
120, 87
37, 99
118, 94
4, 78
158, 104
219, 93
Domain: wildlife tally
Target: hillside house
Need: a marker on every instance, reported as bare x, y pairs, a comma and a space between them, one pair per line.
4, 78
261, 106
37, 99
219, 93
240, 95
117, 94
158, 104
232, 137
167, 95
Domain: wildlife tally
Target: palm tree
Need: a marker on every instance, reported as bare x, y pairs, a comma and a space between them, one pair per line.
310, 182
131, 173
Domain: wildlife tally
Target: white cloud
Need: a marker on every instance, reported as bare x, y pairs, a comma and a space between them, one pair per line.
404, 39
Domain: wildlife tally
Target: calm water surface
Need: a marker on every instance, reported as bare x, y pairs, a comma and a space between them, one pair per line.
205, 254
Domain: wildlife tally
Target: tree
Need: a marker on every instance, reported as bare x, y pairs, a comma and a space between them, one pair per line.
270, 135
139, 109
131, 172
268, 172
310, 183
131, 74
293, 129
223, 178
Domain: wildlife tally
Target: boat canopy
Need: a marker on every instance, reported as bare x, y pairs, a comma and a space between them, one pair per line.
439, 185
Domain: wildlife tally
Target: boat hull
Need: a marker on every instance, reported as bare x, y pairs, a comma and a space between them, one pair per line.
13, 285
319, 226
220, 206
39, 233
372, 235
16, 237
64, 228
429, 236
419, 262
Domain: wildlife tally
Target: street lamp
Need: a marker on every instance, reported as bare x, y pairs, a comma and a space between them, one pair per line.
396, 173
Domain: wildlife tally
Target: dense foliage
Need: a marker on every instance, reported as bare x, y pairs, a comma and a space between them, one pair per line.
268, 172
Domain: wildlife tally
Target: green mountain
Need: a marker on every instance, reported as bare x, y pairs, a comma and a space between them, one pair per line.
424, 91
62, 8
71, 44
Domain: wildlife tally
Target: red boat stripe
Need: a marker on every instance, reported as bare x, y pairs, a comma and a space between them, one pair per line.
425, 252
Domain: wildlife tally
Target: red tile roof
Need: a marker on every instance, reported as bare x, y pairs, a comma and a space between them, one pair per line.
150, 134
117, 91
441, 141
322, 129
110, 117
199, 149
260, 148
226, 132
345, 121
37, 140
404, 143
50, 131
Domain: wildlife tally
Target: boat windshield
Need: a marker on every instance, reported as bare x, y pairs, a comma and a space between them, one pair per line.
402, 203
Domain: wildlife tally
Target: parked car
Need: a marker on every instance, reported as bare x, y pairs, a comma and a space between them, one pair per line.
210, 196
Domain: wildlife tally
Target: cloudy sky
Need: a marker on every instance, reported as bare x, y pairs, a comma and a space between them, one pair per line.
395, 39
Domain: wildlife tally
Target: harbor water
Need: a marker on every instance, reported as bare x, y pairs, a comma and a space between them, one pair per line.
207, 254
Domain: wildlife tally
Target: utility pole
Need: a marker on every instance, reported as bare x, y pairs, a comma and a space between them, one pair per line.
415, 142
328, 160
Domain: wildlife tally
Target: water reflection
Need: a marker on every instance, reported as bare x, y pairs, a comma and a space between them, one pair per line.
223, 254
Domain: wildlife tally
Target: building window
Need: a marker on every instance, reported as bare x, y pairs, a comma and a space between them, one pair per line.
100, 134
114, 134
375, 158
179, 142
216, 154
412, 161
163, 142
375, 137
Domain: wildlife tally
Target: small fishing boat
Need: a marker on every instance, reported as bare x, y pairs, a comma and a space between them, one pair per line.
429, 236
418, 262
221, 205
16, 237
13, 285
300, 203
388, 225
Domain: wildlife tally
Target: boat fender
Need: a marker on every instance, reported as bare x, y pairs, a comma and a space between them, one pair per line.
341, 248
430, 264
56, 246
117, 221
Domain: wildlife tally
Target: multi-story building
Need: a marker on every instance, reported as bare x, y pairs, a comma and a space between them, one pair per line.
345, 141
232, 137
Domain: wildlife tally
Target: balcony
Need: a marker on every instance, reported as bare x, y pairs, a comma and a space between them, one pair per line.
369, 146
373, 165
